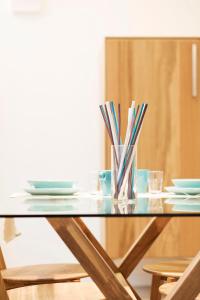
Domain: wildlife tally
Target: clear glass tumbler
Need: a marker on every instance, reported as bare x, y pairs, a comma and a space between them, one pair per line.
123, 168
155, 181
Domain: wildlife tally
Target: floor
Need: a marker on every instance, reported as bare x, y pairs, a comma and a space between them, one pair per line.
144, 292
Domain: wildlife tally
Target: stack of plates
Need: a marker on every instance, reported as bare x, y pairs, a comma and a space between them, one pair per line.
185, 186
51, 187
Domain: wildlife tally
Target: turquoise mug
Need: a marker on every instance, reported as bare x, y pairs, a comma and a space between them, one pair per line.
142, 180
105, 182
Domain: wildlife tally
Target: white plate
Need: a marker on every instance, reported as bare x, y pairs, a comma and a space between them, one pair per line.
66, 191
181, 190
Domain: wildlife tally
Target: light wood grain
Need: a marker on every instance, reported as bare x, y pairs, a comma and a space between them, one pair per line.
148, 70
157, 71
142, 244
166, 269
90, 259
40, 274
190, 112
60, 291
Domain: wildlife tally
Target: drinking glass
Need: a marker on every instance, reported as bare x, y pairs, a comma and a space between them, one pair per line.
155, 181
94, 182
105, 182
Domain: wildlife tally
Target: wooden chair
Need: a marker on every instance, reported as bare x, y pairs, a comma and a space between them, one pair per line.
34, 273
166, 288
60, 291
41, 274
163, 272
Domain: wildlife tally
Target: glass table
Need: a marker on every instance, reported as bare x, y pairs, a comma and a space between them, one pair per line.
64, 215
86, 205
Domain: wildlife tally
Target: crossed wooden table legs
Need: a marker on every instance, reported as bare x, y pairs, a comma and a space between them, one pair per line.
110, 279
104, 272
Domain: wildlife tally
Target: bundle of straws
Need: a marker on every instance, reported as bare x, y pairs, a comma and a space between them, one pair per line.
123, 159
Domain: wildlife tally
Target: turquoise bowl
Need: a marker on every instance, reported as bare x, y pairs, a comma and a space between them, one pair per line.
46, 184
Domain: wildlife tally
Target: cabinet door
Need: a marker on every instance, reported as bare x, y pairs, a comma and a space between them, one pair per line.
190, 107
157, 71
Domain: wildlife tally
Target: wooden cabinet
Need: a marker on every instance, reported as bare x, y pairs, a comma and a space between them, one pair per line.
164, 73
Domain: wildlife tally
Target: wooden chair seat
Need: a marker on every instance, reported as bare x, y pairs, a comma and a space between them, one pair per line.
166, 288
60, 291
40, 274
168, 268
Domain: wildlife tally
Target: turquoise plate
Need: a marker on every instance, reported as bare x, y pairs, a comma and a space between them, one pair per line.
49, 184
54, 192
187, 183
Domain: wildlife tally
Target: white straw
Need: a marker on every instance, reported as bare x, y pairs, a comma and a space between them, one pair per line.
128, 133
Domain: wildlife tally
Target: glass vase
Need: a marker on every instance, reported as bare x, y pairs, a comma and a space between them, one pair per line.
123, 168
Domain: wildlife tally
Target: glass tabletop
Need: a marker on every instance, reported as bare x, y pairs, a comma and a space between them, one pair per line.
24, 205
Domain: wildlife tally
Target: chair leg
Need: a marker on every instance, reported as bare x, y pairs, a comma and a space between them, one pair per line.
171, 279
3, 292
156, 282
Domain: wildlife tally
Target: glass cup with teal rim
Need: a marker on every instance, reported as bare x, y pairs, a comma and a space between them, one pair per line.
105, 182
142, 180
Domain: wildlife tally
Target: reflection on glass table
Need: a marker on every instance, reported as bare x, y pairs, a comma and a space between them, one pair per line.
185, 205
97, 205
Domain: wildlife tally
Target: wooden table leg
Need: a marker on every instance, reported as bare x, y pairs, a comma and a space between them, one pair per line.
188, 286
90, 259
96, 244
142, 244
101, 251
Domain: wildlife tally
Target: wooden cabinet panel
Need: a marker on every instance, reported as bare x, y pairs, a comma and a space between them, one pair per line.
190, 112
157, 71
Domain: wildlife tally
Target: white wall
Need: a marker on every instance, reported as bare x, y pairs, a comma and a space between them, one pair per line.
52, 80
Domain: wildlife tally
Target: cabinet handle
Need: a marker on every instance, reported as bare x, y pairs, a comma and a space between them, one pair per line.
194, 70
